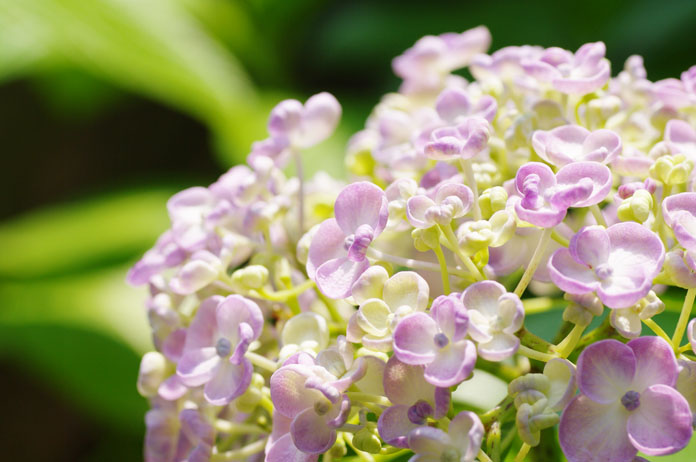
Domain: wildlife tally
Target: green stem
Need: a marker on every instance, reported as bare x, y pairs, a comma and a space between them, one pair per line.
568, 344
368, 398
683, 318
597, 214
411, 263
556, 236
261, 361
241, 454
225, 426
533, 341
659, 331
443, 268
523, 452
284, 295
533, 354
534, 262
473, 269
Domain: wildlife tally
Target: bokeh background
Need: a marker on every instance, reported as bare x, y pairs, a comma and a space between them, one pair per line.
108, 107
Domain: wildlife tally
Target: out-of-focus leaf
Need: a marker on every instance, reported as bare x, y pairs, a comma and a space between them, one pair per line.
82, 235
93, 371
98, 300
155, 48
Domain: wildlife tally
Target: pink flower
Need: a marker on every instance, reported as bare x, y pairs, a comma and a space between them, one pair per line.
572, 143
619, 263
583, 72
627, 403
461, 442
216, 342
337, 254
438, 342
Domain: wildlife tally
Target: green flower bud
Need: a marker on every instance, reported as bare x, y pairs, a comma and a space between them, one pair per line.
153, 371
252, 277
672, 170
426, 239
637, 207
249, 400
367, 439
491, 200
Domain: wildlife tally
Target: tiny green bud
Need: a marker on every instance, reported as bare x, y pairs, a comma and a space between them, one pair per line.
252, 277
637, 207
367, 439
672, 170
426, 239
491, 200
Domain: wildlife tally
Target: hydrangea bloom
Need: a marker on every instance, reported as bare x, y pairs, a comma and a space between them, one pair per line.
299, 319
627, 403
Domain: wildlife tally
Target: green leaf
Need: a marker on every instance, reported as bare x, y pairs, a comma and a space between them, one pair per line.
81, 235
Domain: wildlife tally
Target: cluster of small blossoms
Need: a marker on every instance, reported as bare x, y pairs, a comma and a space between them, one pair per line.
303, 319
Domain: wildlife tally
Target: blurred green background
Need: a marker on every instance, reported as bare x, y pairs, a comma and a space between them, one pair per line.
107, 107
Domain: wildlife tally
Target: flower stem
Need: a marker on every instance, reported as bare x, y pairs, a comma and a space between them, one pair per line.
452, 239
683, 318
534, 262
523, 452
556, 236
484, 457
261, 361
369, 398
443, 268
655, 327
243, 453
284, 295
225, 426
413, 264
568, 344
597, 214
471, 179
533, 354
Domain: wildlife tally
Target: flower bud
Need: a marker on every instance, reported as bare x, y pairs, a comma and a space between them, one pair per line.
252, 277
599, 110
672, 170
637, 207
529, 388
532, 418
302, 251
153, 371
426, 239
582, 308
491, 200
367, 439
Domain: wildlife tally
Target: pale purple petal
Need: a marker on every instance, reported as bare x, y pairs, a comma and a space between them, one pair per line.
452, 364
198, 366
678, 203
662, 423
233, 311
230, 381
327, 244
606, 370
590, 246
361, 203
655, 363
416, 207
599, 174
393, 425
310, 432
320, 117
405, 384
172, 388
336, 277
413, 339
466, 430
284, 450
681, 138
429, 442
202, 330
593, 432
569, 275
451, 316
501, 346
288, 391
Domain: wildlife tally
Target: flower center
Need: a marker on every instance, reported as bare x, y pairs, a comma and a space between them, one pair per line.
223, 347
530, 191
321, 407
419, 412
603, 271
357, 244
631, 400
440, 340
450, 455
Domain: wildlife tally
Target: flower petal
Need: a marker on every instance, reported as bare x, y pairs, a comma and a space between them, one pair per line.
197, 366
655, 363
593, 432
606, 370
284, 450
452, 365
327, 244
405, 384
413, 339
662, 422
335, 277
310, 432
230, 381
394, 426
361, 203
406, 288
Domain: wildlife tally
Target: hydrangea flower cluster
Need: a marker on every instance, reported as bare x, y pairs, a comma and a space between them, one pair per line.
299, 319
